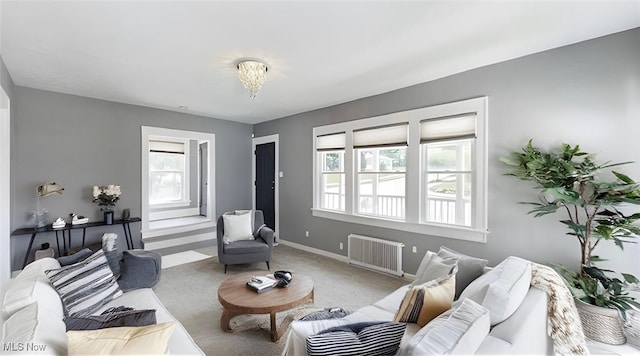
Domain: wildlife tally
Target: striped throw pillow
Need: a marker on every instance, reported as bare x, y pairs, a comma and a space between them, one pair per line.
424, 302
367, 338
85, 286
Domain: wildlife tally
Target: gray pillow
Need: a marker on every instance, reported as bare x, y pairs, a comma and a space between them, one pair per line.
469, 268
75, 258
111, 318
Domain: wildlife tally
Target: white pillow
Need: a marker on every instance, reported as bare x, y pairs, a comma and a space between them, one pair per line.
502, 289
237, 227
433, 267
36, 327
459, 330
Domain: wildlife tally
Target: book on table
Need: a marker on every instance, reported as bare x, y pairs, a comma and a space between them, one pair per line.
261, 283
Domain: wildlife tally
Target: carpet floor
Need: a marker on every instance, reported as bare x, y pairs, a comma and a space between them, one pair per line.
189, 292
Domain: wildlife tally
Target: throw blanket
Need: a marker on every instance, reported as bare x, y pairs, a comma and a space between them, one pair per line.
564, 322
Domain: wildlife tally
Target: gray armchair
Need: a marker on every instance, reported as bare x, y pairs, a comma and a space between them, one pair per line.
246, 251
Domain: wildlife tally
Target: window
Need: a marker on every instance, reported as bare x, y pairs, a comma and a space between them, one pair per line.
332, 176
381, 166
447, 149
167, 173
176, 163
422, 171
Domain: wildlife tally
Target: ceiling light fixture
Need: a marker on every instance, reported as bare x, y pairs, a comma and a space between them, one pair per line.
252, 74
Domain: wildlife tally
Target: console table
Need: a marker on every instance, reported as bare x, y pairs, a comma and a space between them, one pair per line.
66, 230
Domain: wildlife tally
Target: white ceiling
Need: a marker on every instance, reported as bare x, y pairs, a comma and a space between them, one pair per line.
320, 53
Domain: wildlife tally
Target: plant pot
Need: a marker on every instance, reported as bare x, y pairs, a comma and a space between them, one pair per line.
108, 217
601, 324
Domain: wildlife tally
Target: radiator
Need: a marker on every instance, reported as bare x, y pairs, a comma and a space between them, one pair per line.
377, 254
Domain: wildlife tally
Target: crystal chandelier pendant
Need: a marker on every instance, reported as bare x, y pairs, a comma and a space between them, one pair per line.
252, 74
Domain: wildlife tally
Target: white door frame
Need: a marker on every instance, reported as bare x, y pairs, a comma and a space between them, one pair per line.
5, 186
259, 141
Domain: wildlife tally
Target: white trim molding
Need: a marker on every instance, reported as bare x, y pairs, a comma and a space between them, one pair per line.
5, 186
415, 206
148, 132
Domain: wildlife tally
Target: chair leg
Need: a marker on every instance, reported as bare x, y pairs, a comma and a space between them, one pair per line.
268, 268
225, 269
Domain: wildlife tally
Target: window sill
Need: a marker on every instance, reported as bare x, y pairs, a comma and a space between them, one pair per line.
176, 204
453, 232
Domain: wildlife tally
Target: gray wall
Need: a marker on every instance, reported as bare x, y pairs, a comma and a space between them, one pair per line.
80, 142
587, 94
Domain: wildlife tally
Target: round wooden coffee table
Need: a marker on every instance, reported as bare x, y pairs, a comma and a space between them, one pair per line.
237, 299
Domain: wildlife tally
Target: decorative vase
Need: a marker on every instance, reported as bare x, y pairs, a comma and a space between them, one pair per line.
108, 217
601, 324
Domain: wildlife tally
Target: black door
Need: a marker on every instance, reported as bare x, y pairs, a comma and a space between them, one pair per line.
265, 182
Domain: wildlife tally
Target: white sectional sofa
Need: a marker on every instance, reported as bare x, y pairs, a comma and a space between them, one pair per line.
506, 295
33, 314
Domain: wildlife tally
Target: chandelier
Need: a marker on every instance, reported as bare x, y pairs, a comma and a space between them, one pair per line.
252, 74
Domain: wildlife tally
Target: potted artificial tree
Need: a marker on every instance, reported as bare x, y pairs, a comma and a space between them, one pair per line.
567, 180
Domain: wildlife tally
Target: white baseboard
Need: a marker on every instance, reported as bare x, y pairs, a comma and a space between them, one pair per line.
317, 251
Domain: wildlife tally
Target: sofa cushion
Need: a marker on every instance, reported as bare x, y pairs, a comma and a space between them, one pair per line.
469, 268
152, 339
245, 246
85, 286
36, 326
367, 338
459, 330
502, 289
433, 267
237, 227
27, 291
36, 269
180, 342
424, 302
110, 319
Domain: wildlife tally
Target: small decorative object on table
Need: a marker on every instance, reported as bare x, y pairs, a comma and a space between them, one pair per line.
58, 223
262, 283
107, 196
77, 220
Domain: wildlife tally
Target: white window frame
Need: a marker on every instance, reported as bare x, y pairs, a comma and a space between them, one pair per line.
184, 199
207, 221
322, 172
415, 195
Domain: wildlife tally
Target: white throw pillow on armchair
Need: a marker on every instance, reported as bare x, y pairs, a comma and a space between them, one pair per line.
237, 227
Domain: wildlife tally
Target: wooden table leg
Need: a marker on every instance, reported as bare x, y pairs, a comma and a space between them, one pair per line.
274, 329
225, 319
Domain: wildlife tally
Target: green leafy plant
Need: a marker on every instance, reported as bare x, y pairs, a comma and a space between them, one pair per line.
567, 180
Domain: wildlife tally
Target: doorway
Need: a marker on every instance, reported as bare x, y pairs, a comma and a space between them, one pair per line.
265, 178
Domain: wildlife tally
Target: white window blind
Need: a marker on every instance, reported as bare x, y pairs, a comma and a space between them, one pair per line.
334, 141
166, 146
448, 127
388, 135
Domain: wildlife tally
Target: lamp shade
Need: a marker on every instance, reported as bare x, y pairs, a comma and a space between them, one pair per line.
51, 188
